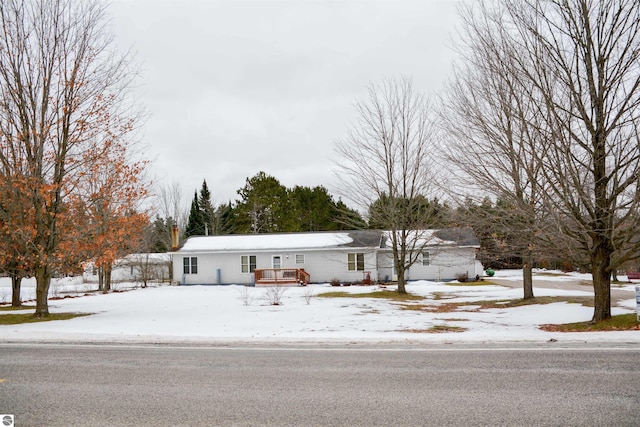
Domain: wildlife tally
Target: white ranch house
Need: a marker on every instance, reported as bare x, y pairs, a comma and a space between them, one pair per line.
348, 256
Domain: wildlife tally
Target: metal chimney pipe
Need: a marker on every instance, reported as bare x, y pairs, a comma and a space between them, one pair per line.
175, 238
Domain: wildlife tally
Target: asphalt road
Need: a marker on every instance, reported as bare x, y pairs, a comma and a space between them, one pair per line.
314, 385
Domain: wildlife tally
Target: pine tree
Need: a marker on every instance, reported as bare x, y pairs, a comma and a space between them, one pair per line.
225, 219
195, 226
207, 212
158, 231
263, 207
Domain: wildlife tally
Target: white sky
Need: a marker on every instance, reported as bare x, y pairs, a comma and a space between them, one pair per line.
236, 87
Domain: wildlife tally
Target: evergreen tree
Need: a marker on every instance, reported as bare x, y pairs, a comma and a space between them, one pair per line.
347, 218
424, 213
195, 225
313, 209
225, 219
264, 206
207, 212
159, 230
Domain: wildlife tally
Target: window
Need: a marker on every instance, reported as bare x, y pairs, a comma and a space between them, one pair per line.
355, 262
190, 265
248, 263
426, 259
300, 259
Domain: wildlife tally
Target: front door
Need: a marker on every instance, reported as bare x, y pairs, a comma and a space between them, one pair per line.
277, 261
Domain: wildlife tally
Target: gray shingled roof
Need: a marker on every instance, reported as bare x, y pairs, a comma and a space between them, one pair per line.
462, 236
365, 238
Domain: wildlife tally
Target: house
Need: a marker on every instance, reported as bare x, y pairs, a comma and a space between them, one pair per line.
319, 257
143, 267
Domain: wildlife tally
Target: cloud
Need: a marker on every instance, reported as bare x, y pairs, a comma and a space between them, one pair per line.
235, 87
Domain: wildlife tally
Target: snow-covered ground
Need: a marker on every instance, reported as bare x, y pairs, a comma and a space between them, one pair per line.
238, 313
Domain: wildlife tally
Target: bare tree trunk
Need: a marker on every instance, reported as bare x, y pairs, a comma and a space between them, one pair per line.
527, 276
145, 271
16, 280
601, 274
100, 279
43, 282
107, 278
401, 280
527, 280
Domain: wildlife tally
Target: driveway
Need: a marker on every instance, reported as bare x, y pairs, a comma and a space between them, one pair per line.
617, 294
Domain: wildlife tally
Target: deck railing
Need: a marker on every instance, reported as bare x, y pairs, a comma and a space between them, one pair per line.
281, 276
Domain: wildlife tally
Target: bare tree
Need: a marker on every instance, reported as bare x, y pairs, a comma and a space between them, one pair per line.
386, 159
62, 92
172, 210
488, 141
580, 61
172, 203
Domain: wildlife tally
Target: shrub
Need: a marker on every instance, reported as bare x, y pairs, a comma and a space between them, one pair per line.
335, 282
462, 277
273, 294
308, 294
245, 296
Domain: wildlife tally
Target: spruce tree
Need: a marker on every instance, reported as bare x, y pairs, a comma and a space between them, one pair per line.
195, 226
226, 219
207, 212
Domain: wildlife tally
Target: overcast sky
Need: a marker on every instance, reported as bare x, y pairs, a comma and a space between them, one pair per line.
235, 87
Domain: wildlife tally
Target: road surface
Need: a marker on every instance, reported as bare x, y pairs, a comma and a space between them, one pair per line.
320, 385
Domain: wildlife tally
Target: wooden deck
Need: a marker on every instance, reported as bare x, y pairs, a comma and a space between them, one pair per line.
281, 277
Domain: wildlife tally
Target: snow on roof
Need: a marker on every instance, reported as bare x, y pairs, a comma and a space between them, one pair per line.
266, 241
420, 237
440, 237
150, 257
324, 239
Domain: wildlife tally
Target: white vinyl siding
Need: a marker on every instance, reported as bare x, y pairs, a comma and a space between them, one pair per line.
445, 264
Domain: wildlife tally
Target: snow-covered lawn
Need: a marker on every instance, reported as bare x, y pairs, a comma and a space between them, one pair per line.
238, 313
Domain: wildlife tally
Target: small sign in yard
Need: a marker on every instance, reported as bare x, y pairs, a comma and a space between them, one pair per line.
638, 301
